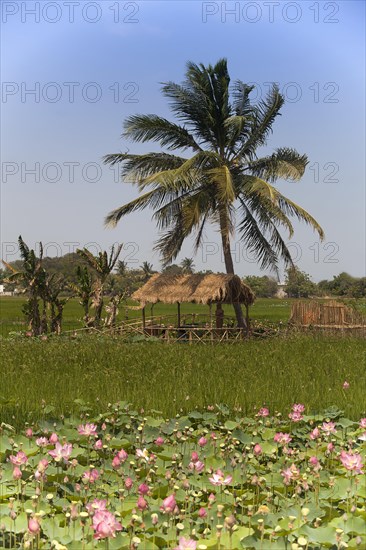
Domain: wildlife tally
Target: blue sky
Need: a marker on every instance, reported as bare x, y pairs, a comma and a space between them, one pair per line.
116, 54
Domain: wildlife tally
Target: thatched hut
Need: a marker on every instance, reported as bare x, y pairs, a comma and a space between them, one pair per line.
199, 289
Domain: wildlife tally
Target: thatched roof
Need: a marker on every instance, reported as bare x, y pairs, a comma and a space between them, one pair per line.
200, 289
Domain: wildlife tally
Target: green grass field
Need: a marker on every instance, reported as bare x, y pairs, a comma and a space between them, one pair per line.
99, 370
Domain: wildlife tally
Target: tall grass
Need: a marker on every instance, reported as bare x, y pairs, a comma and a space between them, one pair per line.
99, 370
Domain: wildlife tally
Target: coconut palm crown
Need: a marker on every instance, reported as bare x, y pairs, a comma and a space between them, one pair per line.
224, 181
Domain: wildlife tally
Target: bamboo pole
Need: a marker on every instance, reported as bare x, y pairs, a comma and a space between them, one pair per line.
178, 314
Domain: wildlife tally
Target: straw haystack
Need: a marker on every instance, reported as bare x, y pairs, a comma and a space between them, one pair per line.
199, 289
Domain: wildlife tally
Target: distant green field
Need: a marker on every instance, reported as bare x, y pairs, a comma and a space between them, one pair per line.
12, 318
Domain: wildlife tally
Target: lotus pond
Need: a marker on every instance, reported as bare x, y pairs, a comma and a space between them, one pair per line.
208, 479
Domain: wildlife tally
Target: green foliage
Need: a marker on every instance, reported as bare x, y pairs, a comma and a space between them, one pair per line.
344, 285
61, 265
263, 287
187, 266
299, 284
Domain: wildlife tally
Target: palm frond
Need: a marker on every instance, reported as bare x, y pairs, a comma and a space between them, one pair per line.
155, 128
284, 163
255, 240
293, 209
265, 113
221, 177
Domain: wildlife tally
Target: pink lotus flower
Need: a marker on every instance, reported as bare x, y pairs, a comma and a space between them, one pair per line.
128, 483
42, 442
91, 476
142, 503
194, 456
17, 474
315, 433
42, 465
352, 462
116, 463
295, 416
29, 433
257, 450
315, 463
61, 452
143, 489
362, 423
219, 479
282, 438
19, 459
345, 385
88, 429
298, 407
53, 438
98, 445
328, 428
122, 455
159, 441
105, 525
196, 466
290, 474
96, 506
202, 513
186, 544
263, 412
169, 505
33, 526
202, 441
330, 447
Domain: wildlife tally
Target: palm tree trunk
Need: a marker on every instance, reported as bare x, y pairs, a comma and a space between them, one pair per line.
229, 264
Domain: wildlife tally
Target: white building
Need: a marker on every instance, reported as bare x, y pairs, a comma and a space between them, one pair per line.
281, 290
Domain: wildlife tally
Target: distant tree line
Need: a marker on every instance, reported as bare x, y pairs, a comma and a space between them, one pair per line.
298, 284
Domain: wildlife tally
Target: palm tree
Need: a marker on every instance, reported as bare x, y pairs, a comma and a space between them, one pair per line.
84, 290
33, 277
187, 266
224, 181
147, 269
121, 267
53, 287
103, 265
